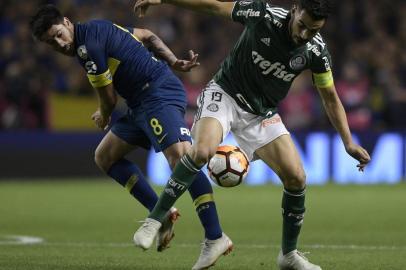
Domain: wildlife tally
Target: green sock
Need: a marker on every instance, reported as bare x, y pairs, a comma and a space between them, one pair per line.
180, 180
293, 210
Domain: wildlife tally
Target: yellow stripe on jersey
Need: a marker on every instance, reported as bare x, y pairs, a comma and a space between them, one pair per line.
323, 80
105, 78
113, 65
126, 30
203, 199
100, 80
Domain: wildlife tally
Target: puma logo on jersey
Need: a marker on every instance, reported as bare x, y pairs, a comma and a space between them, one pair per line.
266, 41
273, 20
276, 69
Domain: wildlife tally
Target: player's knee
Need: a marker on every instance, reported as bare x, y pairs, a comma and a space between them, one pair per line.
174, 158
102, 161
201, 154
296, 179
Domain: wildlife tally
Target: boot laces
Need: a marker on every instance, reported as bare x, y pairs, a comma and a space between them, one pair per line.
302, 254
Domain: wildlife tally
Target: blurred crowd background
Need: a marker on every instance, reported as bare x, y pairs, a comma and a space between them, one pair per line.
40, 89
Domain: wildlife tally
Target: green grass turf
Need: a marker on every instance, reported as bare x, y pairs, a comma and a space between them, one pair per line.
89, 225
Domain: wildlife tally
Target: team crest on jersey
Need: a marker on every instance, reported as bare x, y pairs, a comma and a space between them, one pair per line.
213, 107
297, 62
82, 52
91, 67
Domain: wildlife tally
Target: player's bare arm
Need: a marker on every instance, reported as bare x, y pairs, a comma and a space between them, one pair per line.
107, 102
213, 7
338, 118
159, 48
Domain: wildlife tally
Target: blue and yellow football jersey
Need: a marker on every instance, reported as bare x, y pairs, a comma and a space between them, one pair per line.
112, 54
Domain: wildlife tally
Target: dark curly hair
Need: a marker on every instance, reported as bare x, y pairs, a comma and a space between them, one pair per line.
45, 17
317, 9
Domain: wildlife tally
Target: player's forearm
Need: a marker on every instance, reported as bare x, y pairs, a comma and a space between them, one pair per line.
159, 48
338, 118
106, 109
107, 100
212, 7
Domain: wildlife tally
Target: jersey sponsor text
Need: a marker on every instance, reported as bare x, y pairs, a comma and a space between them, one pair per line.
267, 67
248, 13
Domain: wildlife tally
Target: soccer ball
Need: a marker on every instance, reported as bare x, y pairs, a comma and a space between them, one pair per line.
229, 166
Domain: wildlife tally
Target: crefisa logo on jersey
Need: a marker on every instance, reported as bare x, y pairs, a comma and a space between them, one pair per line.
277, 69
82, 52
297, 62
248, 13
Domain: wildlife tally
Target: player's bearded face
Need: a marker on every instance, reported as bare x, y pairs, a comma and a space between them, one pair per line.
303, 27
60, 38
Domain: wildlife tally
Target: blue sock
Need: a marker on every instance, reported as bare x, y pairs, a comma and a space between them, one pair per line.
202, 194
130, 176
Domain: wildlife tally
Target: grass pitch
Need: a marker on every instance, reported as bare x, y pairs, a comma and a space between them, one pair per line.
89, 225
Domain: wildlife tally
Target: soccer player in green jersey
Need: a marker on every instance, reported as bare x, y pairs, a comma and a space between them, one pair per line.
275, 47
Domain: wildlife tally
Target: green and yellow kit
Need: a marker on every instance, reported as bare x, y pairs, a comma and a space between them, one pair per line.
261, 67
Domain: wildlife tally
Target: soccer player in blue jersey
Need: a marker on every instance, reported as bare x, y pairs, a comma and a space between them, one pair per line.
117, 61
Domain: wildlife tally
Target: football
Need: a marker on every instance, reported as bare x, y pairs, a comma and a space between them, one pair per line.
229, 166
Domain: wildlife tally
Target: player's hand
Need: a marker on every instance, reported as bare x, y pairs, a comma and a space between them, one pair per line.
186, 65
359, 154
141, 6
101, 121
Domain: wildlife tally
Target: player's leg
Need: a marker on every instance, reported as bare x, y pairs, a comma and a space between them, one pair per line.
268, 139
208, 137
201, 192
167, 131
282, 156
216, 243
109, 157
208, 131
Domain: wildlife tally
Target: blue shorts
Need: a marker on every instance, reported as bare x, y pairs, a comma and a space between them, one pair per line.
157, 121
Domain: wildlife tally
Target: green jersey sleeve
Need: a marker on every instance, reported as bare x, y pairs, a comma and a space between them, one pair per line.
321, 64
321, 61
248, 12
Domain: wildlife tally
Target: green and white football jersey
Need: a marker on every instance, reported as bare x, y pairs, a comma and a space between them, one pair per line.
261, 67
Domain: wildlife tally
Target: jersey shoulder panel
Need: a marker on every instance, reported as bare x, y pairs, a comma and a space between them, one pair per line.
92, 51
95, 42
276, 12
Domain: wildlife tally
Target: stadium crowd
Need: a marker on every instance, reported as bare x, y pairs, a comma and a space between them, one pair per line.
367, 41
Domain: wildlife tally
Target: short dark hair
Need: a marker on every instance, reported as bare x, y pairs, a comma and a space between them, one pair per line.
46, 16
317, 9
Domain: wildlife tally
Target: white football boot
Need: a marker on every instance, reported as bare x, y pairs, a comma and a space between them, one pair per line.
145, 235
295, 260
212, 250
166, 232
